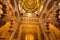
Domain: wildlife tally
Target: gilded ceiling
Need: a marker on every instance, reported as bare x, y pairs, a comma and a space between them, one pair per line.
30, 5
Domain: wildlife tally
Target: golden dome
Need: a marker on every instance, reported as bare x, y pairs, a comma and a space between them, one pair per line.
30, 5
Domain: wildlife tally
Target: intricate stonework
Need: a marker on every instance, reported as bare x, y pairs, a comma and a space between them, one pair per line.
30, 5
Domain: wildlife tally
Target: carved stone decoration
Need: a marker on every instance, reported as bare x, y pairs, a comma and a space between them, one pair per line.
30, 5
2, 14
29, 20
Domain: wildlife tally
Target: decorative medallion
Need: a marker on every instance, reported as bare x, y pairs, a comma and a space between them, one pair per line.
30, 5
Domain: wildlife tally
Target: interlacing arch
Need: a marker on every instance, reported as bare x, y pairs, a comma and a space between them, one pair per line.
37, 18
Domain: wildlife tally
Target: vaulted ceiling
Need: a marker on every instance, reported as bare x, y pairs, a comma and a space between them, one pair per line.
30, 5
